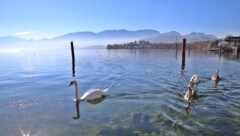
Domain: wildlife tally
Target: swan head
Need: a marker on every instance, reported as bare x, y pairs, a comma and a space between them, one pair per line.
217, 70
191, 80
73, 82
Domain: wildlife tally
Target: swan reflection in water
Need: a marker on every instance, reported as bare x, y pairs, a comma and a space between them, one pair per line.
95, 101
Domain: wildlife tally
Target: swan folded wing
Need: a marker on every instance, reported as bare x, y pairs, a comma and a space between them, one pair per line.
93, 94
215, 77
187, 96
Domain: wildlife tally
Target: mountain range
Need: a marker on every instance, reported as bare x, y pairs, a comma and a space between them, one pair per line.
110, 34
116, 36
172, 36
11, 40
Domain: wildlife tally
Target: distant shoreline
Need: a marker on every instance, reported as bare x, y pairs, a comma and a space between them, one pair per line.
148, 45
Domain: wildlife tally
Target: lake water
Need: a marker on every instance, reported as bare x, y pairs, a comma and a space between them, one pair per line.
144, 97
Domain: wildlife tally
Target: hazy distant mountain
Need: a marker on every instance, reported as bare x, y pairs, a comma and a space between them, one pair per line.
169, 37
194, 36
76, 35
128, 34
172, 36
11, 40
110, 34
147, 34
84, 39
172, 33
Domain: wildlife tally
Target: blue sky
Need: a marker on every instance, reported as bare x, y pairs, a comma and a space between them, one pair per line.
49, 18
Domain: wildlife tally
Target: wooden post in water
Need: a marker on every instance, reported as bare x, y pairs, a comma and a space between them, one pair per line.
183, 53
73, 59
188, 49
236, 50
176, 49
220, 51
237, 47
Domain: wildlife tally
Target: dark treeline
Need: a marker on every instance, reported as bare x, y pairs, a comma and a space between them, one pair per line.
148, 45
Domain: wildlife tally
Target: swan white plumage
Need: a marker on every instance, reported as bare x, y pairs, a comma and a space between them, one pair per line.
194, 79
89, 95
215, 77
191, 93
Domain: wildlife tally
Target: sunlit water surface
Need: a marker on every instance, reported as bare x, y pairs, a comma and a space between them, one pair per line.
144, 97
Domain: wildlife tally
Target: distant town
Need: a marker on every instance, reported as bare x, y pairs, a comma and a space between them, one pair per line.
142, 44
227, 44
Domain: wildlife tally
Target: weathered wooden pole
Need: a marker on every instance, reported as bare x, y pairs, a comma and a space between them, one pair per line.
236, 50
183, 53
237, 47
73, 59
188, 49
176, 49
220, 51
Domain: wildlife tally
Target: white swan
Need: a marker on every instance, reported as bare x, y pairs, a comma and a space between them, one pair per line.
191, 94
215, 77
89, 95
194, 79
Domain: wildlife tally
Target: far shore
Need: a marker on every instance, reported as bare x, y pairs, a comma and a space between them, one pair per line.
206, 45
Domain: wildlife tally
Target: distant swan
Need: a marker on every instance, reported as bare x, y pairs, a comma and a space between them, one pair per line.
194, 79
215, 77
89, 95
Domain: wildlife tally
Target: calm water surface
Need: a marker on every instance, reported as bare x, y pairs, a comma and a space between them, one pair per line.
144, 95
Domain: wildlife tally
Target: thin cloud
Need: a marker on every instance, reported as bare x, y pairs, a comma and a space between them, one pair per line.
25, 33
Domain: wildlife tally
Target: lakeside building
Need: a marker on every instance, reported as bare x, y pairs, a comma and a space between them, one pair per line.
230, 43
233, 40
